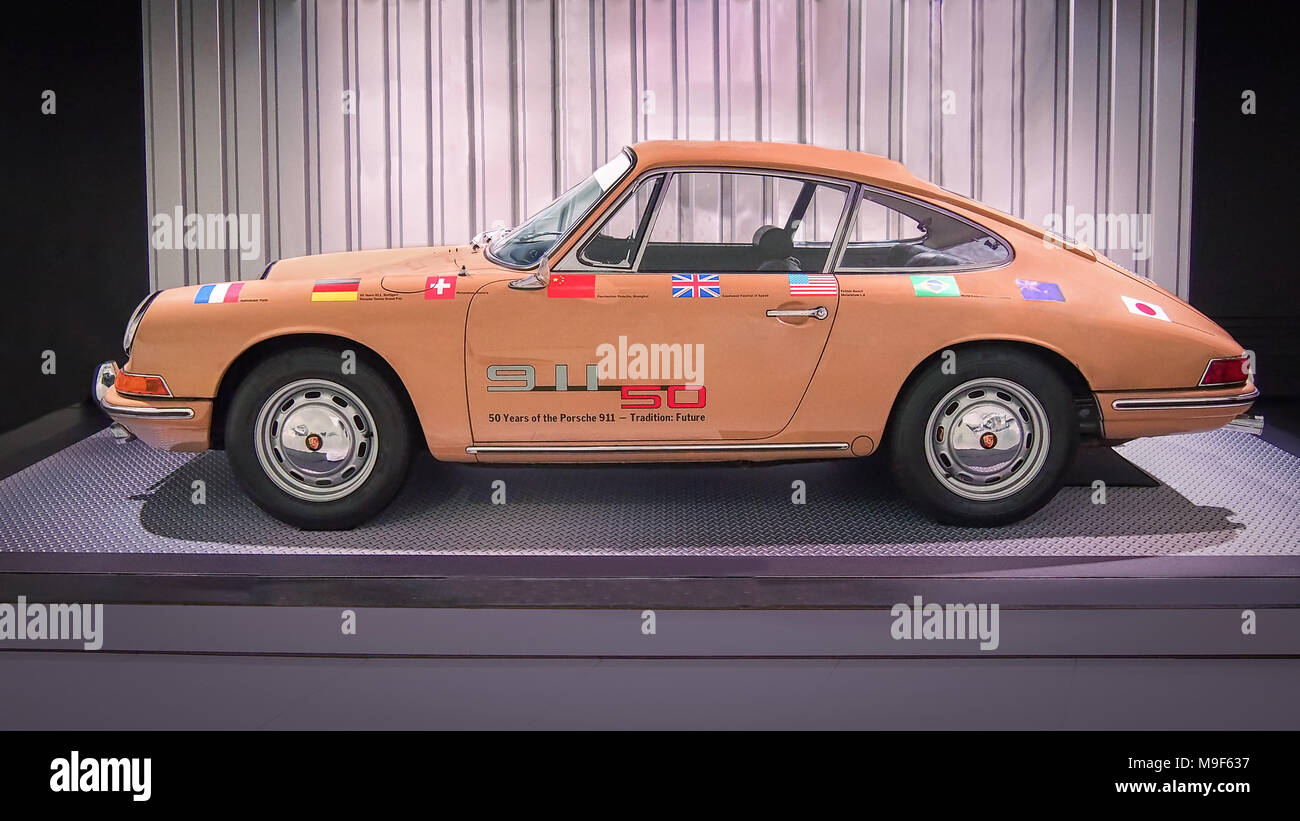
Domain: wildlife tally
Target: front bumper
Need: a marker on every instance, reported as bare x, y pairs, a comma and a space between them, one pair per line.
169, 424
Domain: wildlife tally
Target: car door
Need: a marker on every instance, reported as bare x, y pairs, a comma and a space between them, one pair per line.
685, 317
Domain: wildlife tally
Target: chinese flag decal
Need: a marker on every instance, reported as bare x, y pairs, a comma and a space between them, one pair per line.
1137, 306
571, 286
440, 288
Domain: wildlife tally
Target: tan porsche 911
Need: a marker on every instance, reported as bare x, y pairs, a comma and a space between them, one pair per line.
690, 301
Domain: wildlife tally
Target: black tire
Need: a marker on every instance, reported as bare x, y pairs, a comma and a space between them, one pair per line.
380, 478
909, 438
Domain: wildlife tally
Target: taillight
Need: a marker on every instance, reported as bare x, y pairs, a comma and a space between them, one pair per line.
1232, 371
134, 384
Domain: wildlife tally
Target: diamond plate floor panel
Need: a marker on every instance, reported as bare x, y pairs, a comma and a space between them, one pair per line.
1222, 493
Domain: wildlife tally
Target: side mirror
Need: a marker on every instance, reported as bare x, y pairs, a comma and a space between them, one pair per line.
536, 280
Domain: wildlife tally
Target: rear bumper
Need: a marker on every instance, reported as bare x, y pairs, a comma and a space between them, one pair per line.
1131, 414
168, 424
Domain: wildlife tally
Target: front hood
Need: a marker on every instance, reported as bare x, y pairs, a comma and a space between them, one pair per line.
425, 261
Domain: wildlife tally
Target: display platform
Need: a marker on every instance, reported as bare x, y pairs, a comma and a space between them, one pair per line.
126, 524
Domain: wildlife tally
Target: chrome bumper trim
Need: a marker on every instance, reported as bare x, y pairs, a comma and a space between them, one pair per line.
1187, 403
132, 412
652, 448
105, 376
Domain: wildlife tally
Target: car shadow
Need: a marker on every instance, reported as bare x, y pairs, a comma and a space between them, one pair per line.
626, 509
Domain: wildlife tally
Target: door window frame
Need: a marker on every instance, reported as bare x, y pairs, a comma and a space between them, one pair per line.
644, 225
573, 261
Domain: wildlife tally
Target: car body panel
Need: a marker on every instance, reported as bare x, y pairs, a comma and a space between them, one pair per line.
705, 368
779, 387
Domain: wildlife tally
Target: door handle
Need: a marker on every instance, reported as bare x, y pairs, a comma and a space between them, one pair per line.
817, 313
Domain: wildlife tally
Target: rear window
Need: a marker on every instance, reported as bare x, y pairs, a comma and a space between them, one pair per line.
891, 233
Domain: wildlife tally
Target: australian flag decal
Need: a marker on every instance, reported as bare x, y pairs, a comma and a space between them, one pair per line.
696, 285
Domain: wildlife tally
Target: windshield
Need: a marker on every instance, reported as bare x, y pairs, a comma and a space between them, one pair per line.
524, 245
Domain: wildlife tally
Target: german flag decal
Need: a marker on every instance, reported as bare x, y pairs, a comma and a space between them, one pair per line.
335, 290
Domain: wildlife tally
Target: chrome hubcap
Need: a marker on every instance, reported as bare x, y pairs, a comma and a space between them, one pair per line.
316, 440
987, 439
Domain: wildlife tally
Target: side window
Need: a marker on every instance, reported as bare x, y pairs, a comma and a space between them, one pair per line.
614, 244
889, 233
711, 221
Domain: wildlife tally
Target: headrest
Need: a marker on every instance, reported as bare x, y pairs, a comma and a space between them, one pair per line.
773, 241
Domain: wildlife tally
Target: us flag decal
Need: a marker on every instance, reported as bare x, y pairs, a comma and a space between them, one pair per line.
813, 285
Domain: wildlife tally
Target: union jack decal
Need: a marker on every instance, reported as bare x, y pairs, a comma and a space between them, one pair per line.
696, 285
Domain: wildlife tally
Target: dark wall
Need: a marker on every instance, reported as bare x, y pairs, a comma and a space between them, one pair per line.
1245, 269
73, 227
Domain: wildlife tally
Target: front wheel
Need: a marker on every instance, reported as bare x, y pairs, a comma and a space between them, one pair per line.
316, 447
987, 444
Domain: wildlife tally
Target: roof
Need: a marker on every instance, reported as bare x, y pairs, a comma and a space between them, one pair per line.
832, 162
813, 159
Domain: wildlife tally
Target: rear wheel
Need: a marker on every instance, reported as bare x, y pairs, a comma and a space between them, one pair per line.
986, 445
316, 447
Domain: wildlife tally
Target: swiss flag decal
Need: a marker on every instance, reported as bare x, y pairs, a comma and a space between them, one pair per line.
1137, 306
440, 288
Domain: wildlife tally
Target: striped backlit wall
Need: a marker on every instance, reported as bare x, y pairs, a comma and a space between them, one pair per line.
346, 124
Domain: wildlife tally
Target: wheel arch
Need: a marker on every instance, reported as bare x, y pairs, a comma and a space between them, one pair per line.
1088, 414
251, 356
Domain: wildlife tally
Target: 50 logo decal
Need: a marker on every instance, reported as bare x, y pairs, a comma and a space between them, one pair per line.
648, 397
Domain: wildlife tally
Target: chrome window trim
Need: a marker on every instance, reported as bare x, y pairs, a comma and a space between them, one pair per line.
595, 206
574, 261
940, 269
850, 189
669, 176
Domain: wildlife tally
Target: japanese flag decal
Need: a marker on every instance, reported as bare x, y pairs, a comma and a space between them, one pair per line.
1137, 306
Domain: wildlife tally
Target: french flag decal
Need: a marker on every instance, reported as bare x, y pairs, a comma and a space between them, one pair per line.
219, 292
1137, 306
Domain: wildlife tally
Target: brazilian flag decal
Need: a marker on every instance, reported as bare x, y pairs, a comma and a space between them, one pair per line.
923, 285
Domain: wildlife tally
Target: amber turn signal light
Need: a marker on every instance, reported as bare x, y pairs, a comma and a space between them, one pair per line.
1232, 371
133, 384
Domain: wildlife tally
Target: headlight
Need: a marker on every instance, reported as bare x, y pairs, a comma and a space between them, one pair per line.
134, 322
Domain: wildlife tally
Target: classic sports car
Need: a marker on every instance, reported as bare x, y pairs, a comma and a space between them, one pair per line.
841, 305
